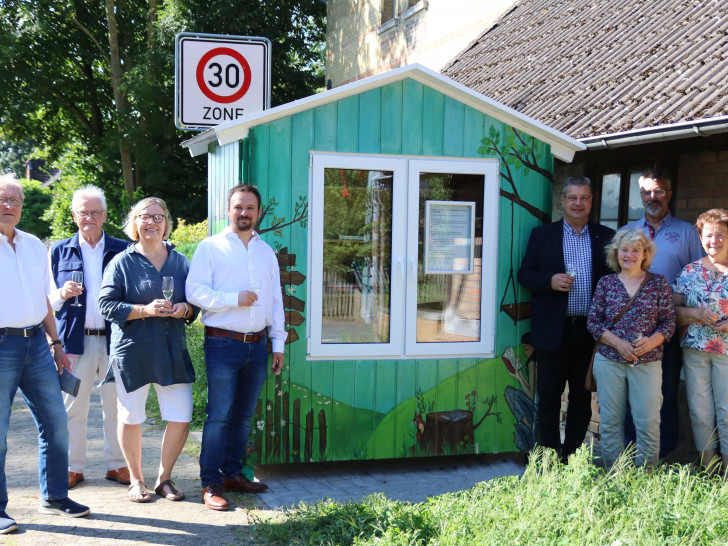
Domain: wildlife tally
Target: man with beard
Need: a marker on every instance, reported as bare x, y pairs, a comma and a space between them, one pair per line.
678, 244
235, 279
559, 307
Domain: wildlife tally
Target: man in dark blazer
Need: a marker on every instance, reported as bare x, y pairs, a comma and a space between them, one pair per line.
559, 307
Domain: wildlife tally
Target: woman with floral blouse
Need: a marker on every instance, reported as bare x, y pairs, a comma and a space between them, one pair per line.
629, 354
701, 304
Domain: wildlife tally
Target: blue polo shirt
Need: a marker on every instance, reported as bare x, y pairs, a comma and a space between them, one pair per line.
678, 244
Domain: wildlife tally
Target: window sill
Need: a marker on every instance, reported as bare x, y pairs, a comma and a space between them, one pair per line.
414, 10
389, 26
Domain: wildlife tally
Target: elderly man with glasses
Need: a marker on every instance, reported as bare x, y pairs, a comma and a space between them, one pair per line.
678, 244
84, 332
27, 361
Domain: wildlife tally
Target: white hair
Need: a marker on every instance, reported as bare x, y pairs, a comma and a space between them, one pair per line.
11, 179
88, 191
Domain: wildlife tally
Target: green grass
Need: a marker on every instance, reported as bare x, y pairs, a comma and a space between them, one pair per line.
550, 504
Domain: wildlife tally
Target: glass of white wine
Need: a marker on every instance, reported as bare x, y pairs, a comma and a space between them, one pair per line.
254, 286
168, 288
77, 277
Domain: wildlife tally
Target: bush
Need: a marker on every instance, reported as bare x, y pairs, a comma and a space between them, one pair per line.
188, 233
37, 200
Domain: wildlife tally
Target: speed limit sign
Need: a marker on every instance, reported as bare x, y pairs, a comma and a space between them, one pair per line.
220, 78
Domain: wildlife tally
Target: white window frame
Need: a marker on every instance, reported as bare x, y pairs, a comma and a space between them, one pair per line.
403, 270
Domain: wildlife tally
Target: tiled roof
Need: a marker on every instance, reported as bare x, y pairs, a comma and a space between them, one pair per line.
592, 67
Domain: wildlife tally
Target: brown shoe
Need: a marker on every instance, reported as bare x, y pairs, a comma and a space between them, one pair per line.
120, 475
241, 484
214, 497
74, 478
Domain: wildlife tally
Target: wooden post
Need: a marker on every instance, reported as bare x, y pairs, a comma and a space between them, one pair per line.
297, 430
286, 428
322, 434
308, 438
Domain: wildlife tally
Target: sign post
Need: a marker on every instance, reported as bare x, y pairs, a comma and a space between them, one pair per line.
219, 78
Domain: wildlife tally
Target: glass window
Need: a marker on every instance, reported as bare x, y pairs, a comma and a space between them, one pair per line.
357, 255
448, 305
370, 294
620, 201
609, 212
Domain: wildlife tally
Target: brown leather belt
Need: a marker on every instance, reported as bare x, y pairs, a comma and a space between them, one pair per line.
237, 336
21, 332
92, 332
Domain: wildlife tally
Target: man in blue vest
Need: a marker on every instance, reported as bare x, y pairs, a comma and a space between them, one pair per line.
84, 332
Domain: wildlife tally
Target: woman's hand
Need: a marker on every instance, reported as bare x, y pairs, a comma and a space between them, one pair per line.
646, 344
704, 315
626, 350
158, 308
721, 326
178, 310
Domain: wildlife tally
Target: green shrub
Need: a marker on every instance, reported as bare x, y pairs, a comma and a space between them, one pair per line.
37, 201
188, 233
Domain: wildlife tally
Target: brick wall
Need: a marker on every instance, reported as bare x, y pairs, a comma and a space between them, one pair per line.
431, 36
702, 183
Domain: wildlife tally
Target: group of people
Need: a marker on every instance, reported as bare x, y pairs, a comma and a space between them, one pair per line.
116, 327
643, 303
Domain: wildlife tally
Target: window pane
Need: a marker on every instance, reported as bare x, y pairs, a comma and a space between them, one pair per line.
636, 210
608, 213
448, 305
357, 256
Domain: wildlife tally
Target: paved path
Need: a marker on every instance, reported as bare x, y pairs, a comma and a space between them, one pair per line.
116, 520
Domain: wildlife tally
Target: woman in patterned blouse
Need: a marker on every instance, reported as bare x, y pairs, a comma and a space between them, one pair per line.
629, 355
701, 303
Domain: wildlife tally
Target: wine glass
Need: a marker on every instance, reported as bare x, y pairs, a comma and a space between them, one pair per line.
77, 277
571, 270
714, 304
168, 288
254, 285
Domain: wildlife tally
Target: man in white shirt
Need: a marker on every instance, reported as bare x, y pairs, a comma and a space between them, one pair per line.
26, 362
83, 331
235, 279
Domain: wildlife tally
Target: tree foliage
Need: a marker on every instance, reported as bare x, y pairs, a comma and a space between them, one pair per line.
95, 79
37, 200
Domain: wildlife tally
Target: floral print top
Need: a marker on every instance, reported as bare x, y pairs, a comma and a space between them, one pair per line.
652, 311
702, 287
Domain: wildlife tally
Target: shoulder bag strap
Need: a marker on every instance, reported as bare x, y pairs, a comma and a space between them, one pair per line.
631, 300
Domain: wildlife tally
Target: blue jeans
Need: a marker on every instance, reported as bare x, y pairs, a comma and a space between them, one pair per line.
27, 363
236, 372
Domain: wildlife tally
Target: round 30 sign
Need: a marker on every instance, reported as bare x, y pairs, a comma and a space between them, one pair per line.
220, 79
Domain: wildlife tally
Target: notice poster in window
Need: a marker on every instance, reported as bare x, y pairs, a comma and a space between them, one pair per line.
449, 237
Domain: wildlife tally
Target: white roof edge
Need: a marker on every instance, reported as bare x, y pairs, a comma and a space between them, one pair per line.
562, 146
199, 144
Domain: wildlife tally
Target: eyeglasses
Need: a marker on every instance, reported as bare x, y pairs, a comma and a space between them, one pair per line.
656, 193
157, 218
89, 213
10, 201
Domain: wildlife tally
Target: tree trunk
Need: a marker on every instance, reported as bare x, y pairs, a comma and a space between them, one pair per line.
120, 102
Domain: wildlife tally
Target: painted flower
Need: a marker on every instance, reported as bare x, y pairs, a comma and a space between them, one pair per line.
260, 425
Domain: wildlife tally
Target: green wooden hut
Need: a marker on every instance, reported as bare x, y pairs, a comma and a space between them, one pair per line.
400, 207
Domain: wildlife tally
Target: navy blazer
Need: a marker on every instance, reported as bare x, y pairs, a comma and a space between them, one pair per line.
70, 321
545, 257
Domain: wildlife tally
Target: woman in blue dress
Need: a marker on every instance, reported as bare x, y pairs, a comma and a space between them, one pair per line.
148, 344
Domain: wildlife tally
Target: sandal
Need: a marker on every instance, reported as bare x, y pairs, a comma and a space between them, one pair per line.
167, 490
137, 487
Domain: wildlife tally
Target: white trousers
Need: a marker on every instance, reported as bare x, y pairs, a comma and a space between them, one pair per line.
91, 368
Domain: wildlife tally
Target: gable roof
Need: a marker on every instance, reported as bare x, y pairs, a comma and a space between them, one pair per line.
588, 67
562, 146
